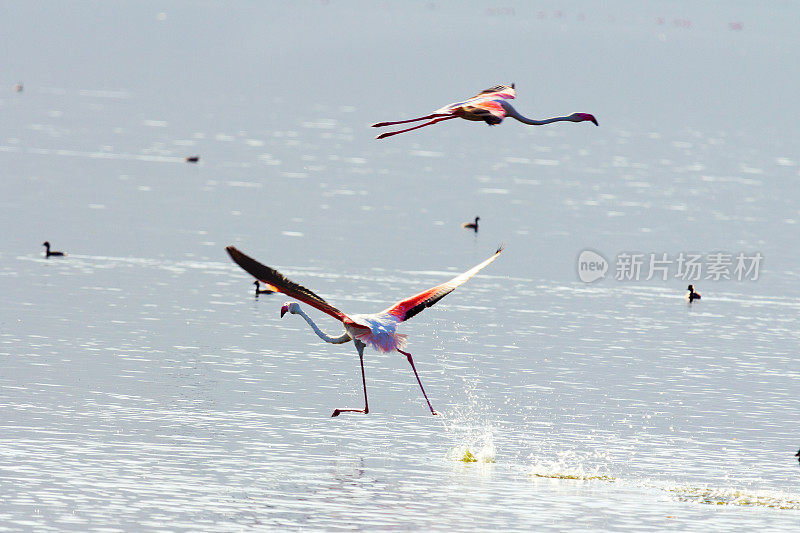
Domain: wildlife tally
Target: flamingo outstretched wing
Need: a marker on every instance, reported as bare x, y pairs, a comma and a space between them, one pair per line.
498, 91
277, 282
486, 104
410, 307
489, 110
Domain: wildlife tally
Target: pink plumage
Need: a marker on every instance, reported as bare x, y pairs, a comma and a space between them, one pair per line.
490, 106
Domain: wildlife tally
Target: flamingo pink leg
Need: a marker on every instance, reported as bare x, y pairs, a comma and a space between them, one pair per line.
389, 134
410, 360
336, 412
426, 117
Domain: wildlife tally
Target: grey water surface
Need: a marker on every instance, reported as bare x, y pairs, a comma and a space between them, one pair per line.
144, 387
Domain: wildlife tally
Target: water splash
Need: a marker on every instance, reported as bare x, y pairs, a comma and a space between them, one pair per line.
470, 427
570, 466
736, 497
476, 449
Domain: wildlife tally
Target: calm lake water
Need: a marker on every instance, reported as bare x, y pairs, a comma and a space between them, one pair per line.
144, 387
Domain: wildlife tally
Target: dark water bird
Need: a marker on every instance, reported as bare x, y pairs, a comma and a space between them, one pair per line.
798, 456
692, 296
472, 225
378, 330
489, 106
48, 253
192, 159
259, 290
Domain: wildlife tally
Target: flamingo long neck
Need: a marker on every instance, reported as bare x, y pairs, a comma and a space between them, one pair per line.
321, 334
511, 112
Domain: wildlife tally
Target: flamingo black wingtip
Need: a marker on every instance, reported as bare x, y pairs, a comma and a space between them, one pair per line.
235, 255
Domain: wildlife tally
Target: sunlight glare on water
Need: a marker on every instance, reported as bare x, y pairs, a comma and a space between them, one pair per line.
144, 386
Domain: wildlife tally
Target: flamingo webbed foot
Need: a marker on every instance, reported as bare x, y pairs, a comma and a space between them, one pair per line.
337, 412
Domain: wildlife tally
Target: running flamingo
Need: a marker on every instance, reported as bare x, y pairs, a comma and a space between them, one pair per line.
377, 330
489, 106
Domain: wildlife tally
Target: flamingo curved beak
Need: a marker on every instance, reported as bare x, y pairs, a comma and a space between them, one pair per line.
284, 309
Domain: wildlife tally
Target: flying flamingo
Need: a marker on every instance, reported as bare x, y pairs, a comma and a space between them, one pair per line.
377, 330
489, 106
